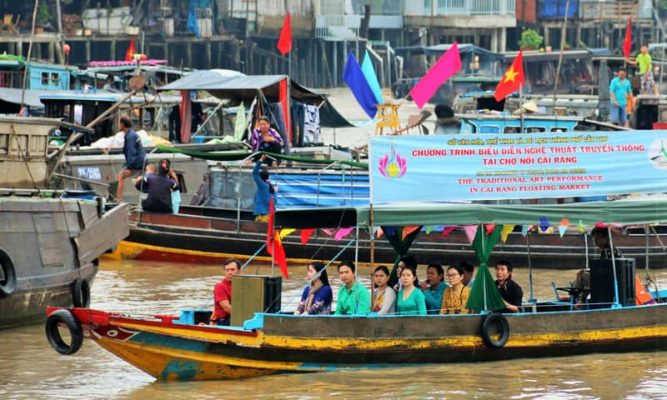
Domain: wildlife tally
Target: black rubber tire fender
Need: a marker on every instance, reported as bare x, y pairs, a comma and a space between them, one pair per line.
499, 323
81, 293
56, 341
8, 284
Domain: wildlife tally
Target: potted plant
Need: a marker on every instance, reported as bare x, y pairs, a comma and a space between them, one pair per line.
42, 17
530, 40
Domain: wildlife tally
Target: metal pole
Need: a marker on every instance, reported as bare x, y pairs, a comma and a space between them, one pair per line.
616, 304
563, 36
521, 129
531, 299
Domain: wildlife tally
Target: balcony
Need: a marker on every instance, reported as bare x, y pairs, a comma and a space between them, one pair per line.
613, 11
385, 14
460, 13
337, 26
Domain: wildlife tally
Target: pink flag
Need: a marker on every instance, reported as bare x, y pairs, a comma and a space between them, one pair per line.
471, 231
448, 65
342, 232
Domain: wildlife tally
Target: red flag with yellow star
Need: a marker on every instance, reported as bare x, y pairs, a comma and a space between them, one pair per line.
512, 80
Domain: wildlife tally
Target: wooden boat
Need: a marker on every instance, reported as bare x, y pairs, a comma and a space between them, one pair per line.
203, 235
175, 347
50, 240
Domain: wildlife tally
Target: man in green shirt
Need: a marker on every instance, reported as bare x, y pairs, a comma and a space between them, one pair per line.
353, 297
645, 63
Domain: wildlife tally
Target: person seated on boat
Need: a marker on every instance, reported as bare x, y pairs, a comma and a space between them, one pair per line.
134, 154
582, 281
159, 188
222, 294
468, 273
406, 261
265, 138
433, 287
456, 295
410, 300
353, 297
317, 296
264, 192
384, 301
510, 291
446, 122
110, 85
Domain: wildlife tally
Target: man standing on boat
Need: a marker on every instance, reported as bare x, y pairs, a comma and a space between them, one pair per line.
619, 89
222, 294
134, 154
353, 297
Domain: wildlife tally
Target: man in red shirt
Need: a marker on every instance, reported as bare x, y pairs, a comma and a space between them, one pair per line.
222, 294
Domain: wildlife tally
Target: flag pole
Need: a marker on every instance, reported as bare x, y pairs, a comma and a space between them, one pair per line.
521, 107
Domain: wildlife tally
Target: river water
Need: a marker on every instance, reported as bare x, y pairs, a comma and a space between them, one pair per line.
30, 369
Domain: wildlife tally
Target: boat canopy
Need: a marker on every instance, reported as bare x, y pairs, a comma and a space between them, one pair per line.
242, 87
628, 211
32, 96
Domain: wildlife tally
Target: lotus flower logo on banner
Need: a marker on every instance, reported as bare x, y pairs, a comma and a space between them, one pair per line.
394, 166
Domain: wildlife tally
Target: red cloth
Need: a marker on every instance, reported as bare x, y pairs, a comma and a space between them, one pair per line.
221, 292
285, 39
269, 226
512, 80
627, 43
274, 246
186, 116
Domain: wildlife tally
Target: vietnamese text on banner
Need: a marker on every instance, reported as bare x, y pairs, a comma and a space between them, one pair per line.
517, 166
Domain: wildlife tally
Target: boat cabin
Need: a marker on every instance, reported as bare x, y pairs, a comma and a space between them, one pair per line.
82, 108
495, 124
576, 73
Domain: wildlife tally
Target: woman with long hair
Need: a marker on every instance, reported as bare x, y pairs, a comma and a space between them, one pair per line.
317, 296
385, 297
410, 300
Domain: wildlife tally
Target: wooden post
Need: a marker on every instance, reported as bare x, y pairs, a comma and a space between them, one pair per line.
87, 50
166, 51
208, 56
188, 53
113, 48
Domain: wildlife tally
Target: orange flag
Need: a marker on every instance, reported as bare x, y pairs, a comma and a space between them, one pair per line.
130, 50
279, 254
408, 230
512, 80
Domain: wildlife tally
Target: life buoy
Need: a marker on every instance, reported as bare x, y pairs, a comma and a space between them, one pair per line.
8, 275
53, 335
495, 330
81, 293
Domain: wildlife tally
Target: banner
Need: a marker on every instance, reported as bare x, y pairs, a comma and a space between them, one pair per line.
516, 166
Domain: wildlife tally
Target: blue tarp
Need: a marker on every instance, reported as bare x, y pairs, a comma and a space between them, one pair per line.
556, 8
301, 190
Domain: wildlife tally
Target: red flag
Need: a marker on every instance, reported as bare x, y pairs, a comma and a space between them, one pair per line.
512, 80
627, 43
285, 39
279, 255
269, 227
306, 234
130, 50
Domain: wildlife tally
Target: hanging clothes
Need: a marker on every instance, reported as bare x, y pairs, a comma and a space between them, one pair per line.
186, 115
311, 124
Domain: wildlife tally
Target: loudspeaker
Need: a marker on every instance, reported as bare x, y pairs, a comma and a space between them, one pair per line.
254, 294
602, 282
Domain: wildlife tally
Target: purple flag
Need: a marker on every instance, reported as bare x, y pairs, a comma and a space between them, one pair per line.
448, 65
